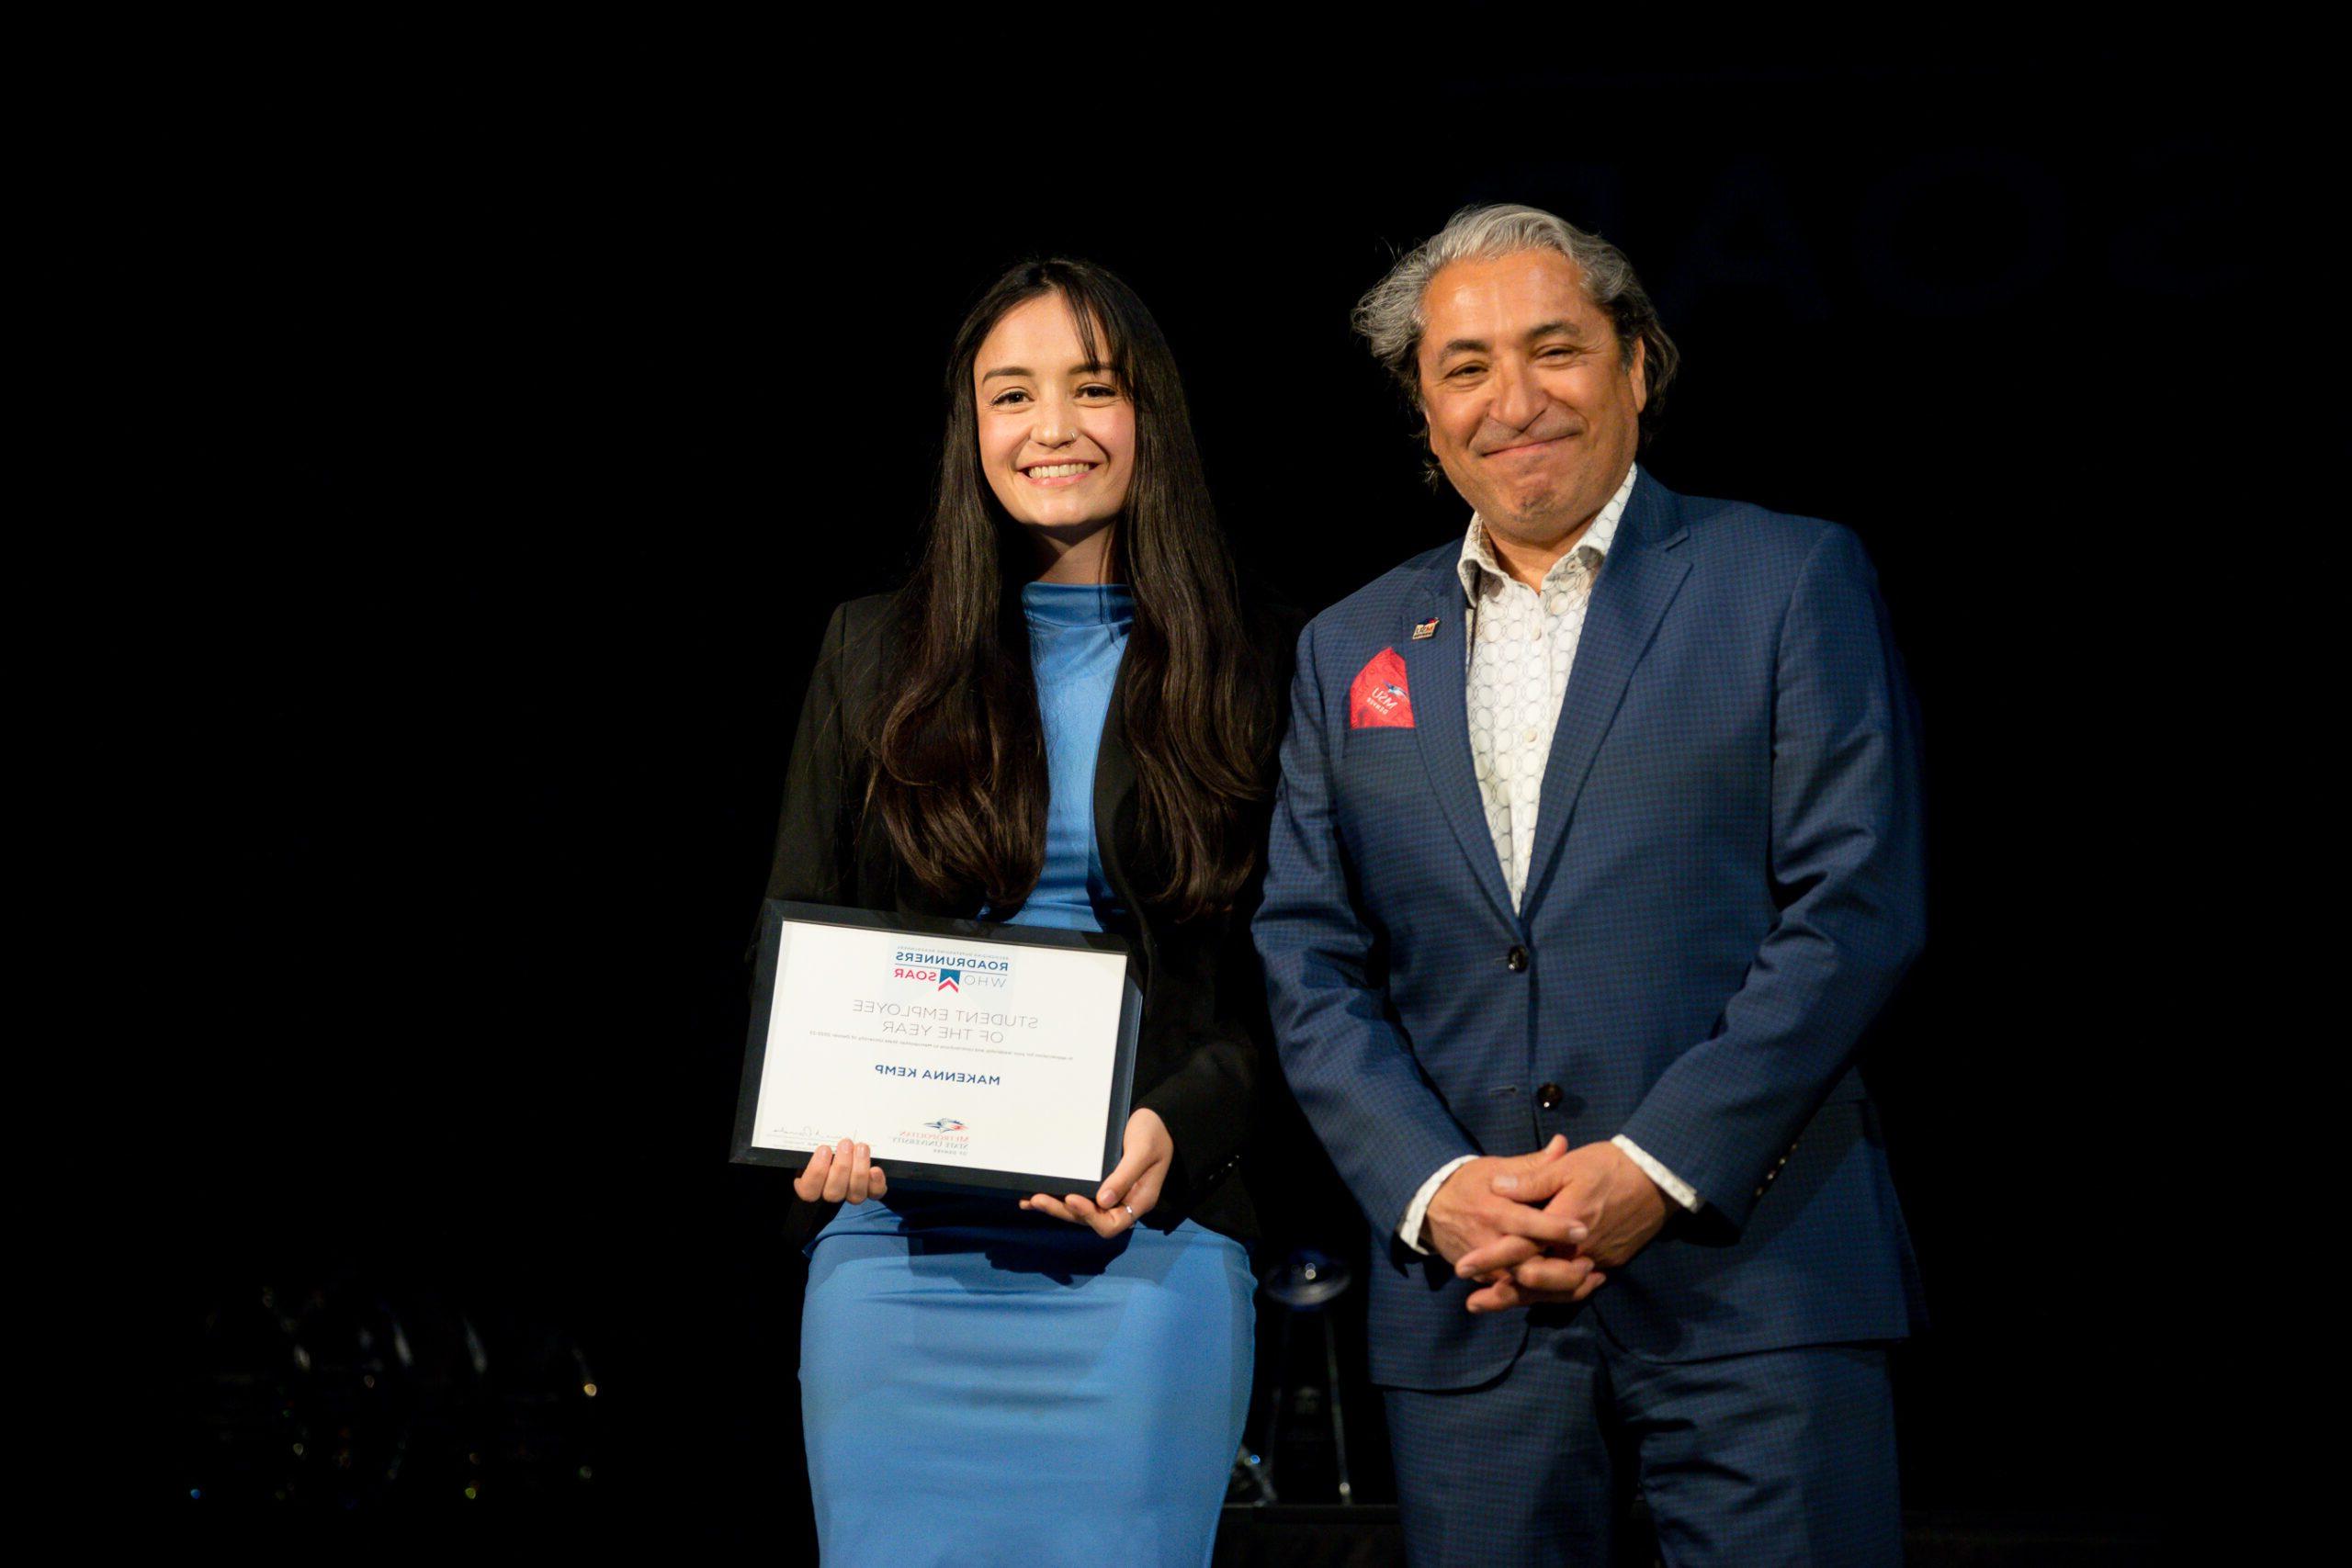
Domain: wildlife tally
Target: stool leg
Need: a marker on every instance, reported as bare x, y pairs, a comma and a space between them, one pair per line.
1275, 1406
1338, 1420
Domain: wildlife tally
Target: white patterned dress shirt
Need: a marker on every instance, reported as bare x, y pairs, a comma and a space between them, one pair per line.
1522, 651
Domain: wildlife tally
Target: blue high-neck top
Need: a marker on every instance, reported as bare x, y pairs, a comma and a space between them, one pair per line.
1078, 632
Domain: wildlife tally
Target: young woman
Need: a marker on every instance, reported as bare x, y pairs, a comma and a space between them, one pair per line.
1062, 719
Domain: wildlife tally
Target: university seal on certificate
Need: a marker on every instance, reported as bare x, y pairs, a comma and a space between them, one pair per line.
965, 1054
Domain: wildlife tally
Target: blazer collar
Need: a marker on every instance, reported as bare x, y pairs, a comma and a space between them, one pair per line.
1436, 674
1639, 579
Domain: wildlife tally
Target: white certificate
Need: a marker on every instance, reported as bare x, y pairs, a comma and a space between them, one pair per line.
962, 1054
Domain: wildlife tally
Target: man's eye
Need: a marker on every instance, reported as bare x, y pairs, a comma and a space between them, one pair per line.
1461, 370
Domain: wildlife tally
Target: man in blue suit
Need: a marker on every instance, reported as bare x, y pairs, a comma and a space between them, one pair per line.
1598, 848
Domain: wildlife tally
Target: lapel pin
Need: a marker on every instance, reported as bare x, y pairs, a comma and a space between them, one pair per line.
1425, 630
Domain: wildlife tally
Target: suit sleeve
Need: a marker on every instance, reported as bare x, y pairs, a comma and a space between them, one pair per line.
1346, 1060
1847, 868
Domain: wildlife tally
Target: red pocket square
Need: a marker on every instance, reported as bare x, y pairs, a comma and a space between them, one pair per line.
1379, 699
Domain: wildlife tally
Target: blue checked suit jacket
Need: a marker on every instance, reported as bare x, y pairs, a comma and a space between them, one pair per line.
1725, 887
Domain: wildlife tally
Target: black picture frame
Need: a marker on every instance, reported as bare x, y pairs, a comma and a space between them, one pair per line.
774, 913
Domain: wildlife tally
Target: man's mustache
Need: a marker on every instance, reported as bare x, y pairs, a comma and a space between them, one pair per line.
1496, 438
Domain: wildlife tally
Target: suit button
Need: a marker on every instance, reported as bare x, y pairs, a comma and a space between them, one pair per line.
1549, 1095
1515, 960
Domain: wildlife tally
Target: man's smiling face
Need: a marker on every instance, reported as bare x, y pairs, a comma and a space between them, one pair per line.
1533, 412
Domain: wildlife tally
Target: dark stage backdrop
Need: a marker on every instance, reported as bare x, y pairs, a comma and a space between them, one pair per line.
508, 449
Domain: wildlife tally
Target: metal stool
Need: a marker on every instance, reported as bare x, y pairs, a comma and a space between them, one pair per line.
1303, 1286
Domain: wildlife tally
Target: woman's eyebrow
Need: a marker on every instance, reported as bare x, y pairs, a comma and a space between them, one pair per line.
1091, 368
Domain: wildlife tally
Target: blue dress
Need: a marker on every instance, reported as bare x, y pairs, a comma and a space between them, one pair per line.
982, 1384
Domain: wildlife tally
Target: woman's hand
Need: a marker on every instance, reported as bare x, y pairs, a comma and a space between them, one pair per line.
1128, 1193
843, 1175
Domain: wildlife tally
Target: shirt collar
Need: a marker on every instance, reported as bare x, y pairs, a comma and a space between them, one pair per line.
1479, 555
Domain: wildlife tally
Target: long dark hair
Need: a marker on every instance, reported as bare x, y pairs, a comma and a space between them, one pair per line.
960, 777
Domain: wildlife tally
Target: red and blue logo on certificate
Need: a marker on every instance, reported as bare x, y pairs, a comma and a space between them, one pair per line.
957, 972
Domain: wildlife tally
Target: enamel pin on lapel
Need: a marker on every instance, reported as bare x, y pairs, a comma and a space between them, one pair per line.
1425, 630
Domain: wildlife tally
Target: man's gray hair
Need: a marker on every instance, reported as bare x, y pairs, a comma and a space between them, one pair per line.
1390, 315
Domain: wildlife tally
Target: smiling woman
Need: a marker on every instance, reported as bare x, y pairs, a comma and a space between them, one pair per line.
1056, 436
1054, 723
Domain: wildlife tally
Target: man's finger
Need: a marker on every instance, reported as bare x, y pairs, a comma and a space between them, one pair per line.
1513, 1291
1534, 1158
1551, 1226
1503, 1253
1501, 1296
1558, 1275
1532, 1184
861, 1172
881, 1188
1504, 1295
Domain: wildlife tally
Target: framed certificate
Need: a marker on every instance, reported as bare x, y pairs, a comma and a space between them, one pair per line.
965, 1054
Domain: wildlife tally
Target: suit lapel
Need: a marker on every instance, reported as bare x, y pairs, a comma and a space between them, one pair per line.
1637, 583
1436, 675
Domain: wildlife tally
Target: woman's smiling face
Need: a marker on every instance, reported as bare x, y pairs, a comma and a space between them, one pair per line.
1056, 432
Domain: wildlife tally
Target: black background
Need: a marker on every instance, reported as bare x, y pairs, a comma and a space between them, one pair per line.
505, 438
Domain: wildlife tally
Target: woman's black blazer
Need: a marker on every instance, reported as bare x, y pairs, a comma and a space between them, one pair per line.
1198, 1048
